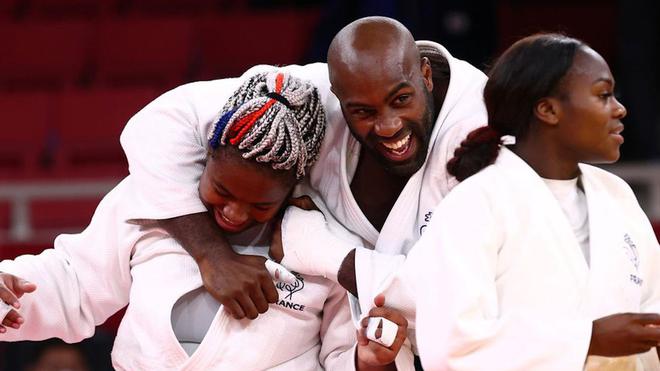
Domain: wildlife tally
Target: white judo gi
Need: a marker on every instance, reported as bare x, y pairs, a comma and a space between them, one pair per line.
165, 144
89, 276
463, 110
502, 283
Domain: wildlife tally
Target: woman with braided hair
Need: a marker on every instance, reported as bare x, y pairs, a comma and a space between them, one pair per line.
260, 146
537, 261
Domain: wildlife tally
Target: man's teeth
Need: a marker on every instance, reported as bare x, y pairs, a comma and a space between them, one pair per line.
398, 145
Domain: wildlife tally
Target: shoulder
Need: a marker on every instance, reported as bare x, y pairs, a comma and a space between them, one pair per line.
607, 182
445, 146
481, 189
196, 94
615, 191
474, 212
442, 60
315, 73
207, 90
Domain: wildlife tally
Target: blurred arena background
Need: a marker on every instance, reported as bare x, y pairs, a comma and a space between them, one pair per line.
72, 72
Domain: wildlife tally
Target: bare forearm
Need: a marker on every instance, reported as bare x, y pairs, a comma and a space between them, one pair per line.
346, 274
239, 282
198, 234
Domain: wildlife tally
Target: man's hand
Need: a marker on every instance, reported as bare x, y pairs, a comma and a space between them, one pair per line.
624, 334
239, 282
372, 355
12, 288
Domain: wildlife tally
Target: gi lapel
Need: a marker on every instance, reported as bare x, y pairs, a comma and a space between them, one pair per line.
614, 285
411, 210
556, 231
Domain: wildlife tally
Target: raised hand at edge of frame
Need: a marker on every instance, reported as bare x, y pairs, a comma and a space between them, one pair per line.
624, 334
12, 288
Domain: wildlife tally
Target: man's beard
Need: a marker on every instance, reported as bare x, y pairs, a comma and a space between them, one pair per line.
422, 132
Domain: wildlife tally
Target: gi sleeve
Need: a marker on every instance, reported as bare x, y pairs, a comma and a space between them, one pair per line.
166, 143
380, 273
166, 153
338, 339
82, 281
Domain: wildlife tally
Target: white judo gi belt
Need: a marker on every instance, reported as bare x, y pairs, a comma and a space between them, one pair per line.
388, 333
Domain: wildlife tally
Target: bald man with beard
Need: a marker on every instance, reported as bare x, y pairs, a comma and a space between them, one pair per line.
396, 111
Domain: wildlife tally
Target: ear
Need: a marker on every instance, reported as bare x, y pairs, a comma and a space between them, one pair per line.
548, 110
427, 73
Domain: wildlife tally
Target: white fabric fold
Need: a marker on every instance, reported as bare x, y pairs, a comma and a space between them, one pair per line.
500, 279
462, 111
165, 144
89, 276
309, 244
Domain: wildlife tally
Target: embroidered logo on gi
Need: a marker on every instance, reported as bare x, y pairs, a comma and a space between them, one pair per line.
292, 288
631, 251
427, 219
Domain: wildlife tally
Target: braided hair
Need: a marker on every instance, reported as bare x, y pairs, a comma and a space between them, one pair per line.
274, 118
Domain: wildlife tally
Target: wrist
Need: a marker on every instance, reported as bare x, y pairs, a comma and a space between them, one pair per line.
361, 365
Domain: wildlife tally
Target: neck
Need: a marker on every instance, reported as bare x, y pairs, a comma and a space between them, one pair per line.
546, 158
375, 190
371, 165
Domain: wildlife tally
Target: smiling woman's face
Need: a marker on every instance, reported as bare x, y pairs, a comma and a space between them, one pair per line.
241, 192
590, 124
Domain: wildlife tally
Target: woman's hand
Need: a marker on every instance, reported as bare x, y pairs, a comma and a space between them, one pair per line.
624, 334
11, 289
373, 355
